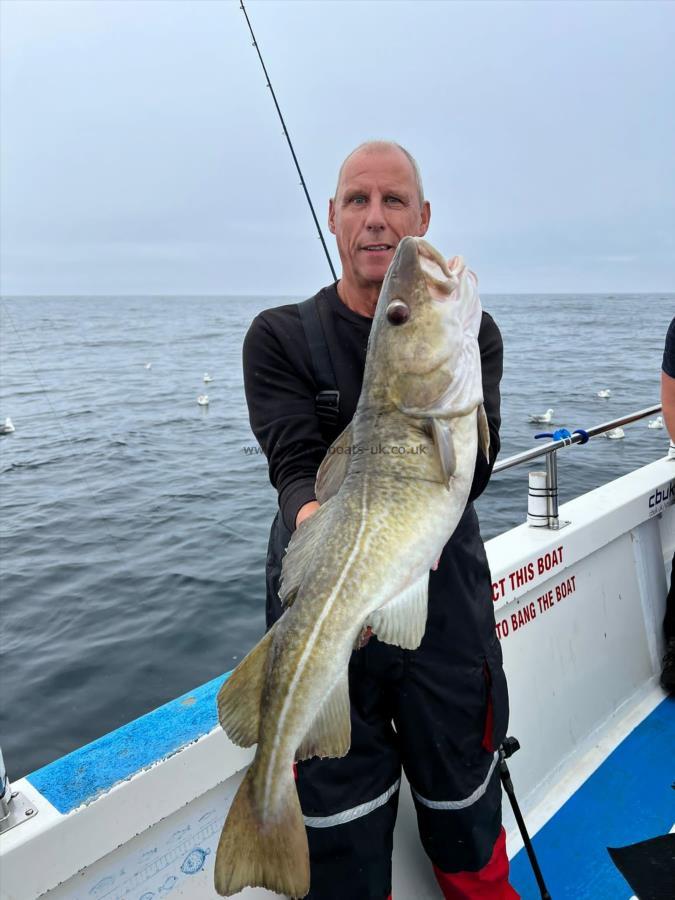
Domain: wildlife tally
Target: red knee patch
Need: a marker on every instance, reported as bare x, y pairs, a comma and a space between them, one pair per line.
489, 883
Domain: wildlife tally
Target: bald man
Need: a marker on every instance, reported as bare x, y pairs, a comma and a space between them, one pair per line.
439, 712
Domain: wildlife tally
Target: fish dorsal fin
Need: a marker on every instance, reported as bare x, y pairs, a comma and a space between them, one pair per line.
441, 434
483, 432
333, 469
403, 620
240, 695
300, 553
331, 731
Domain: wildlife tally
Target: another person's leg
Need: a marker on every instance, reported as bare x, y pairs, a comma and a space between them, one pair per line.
350, 804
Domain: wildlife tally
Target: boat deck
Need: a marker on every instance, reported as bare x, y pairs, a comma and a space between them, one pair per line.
629, 798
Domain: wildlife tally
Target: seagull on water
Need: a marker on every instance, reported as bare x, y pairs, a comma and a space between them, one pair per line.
656, 423
203, 400
148, 365
541, 418
207, 378
7, 428
604, 393
615, 434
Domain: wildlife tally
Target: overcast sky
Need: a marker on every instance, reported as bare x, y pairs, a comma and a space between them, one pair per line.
141, 152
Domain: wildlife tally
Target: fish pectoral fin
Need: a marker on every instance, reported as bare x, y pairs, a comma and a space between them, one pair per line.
333, 469
445, 449
403, 620
300, 554
240, 695
330, 734
483, 432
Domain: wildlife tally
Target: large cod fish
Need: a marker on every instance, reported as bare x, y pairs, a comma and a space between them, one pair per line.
362, 559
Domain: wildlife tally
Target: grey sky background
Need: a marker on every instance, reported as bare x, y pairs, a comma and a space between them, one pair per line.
141, 152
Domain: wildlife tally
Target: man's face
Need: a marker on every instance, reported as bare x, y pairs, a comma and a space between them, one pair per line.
376, 204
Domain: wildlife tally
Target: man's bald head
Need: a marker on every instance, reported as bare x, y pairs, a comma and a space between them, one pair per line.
379, 146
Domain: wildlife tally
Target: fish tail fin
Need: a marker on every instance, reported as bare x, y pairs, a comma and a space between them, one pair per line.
272, 854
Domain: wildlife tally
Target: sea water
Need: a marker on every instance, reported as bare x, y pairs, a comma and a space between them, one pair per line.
134, 522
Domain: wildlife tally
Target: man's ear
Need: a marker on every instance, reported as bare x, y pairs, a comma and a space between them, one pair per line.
331, 215
424, 219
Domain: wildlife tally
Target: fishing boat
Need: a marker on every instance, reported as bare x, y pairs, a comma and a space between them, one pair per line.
579, 600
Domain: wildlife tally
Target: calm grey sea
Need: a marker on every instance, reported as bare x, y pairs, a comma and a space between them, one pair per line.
134, 524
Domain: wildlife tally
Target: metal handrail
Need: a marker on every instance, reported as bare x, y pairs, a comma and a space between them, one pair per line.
542, 450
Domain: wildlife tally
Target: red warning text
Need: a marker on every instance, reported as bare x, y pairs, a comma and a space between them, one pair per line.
543, 603
526, 573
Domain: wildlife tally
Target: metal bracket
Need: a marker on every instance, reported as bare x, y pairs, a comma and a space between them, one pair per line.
20, 810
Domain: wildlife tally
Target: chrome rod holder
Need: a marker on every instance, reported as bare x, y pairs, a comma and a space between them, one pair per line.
14, 807
5, 790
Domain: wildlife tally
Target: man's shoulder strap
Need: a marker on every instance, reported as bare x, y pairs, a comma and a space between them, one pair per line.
328, 398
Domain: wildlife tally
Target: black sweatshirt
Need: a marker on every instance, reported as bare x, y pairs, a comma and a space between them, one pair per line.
280, 392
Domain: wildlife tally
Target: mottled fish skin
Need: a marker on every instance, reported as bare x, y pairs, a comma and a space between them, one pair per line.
376, 536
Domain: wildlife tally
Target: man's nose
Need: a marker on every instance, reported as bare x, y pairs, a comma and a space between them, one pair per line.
375, 218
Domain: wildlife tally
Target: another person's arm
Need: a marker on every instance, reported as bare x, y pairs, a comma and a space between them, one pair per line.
668, 381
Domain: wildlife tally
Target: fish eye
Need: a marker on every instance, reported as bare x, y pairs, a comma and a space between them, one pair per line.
398, 312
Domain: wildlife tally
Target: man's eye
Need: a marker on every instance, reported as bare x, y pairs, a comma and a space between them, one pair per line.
393, 200
359, 199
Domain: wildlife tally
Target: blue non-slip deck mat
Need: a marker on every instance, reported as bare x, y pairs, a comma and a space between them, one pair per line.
85, 774
629, 798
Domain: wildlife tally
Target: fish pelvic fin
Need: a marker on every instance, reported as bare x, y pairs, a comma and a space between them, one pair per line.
240, 695
272, 854
403, 620
483, 432
333, 470
301, 553
331, 731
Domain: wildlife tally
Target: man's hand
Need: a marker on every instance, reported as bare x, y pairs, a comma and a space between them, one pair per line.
306, 511
364, 637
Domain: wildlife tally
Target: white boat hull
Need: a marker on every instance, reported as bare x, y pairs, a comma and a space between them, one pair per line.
138, 813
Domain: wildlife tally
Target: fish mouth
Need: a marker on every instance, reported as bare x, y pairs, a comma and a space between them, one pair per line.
415, 257
441, 281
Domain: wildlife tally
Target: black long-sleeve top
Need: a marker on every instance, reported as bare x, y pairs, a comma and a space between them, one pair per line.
280, 392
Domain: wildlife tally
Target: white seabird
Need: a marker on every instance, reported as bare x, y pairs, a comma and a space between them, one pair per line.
207, 378
7, 428
604, 393
148, 365
656, 423
541, 418
615, 434
203, 400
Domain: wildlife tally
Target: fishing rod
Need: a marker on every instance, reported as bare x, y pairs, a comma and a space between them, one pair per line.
290, 144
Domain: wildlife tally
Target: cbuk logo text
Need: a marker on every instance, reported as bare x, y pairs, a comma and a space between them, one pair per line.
665, 494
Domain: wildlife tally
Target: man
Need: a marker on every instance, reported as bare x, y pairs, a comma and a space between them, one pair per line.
303, 370
668, 406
